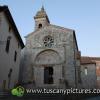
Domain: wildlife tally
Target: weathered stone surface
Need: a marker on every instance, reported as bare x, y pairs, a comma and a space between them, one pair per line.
61, 55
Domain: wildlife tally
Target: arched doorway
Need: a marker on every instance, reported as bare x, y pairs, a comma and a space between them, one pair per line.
48, 75
46, 62
47, 57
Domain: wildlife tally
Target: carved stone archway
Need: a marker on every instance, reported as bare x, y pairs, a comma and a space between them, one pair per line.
47, 57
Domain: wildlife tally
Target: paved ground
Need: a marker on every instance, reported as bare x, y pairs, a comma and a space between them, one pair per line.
93, 98
8, 96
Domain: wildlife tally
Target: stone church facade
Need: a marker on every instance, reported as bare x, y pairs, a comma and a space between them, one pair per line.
51, 57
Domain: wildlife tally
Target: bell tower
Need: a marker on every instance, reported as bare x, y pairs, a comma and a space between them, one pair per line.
41, 19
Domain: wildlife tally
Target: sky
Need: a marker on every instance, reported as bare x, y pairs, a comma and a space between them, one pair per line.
81, 15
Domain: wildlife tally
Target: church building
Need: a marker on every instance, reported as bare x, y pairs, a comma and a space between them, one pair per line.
51, 57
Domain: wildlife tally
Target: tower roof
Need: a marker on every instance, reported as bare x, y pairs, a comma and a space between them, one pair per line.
41, 14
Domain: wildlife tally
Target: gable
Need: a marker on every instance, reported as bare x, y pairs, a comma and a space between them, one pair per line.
61, 36
8, 15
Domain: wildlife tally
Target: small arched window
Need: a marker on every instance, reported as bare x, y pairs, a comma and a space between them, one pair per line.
8, 44
40, 26
15, 56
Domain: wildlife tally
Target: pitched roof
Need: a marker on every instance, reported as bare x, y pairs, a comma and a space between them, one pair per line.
95, 58
50, 25
58, 27
87, 60
11, 21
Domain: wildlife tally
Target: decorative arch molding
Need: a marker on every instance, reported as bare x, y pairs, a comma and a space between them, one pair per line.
47, 57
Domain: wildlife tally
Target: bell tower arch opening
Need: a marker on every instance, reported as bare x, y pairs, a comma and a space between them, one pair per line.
40, 26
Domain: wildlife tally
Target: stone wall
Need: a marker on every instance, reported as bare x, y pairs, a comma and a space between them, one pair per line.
88, 77
7, 59
64, 68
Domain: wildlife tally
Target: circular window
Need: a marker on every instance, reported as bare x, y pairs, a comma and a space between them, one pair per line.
48, 41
